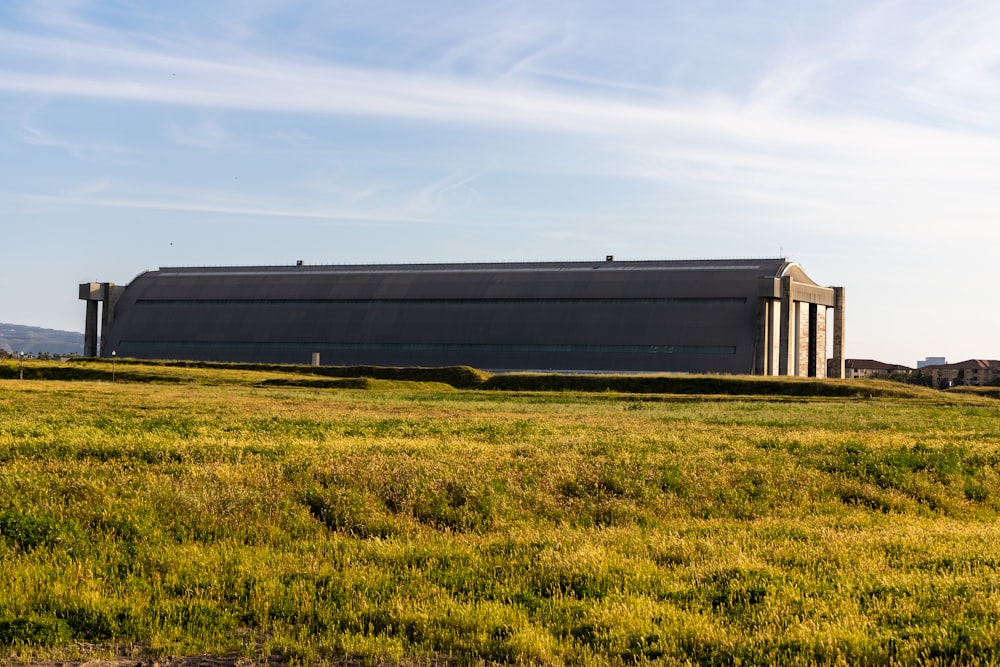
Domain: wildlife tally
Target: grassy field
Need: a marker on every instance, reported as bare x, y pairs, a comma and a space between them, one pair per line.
214, 511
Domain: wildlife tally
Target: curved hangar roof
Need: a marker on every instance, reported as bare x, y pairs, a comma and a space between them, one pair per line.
688, 316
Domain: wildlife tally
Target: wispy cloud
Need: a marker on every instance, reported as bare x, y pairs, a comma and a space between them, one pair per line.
30, 133
501, 92
282, 86
452, 190
783, 144
206, 134
342, 186
81, 198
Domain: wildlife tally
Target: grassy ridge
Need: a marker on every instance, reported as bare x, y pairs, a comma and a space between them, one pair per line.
464, 377
131, 370
402, 522
712, 385
991, 392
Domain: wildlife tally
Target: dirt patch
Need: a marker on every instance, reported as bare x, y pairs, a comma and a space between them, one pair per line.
186, 661
190, 661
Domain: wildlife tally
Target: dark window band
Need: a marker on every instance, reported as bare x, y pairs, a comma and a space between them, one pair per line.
461, 301
126, 345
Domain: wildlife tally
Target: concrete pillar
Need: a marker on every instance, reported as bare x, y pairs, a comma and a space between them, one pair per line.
786, 339
817, 341
90, 331
812, 362
760, 356
774, 330
110, 294
801, 339
92, 293
838, 332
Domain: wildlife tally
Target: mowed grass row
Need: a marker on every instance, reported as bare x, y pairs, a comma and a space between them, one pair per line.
417, 523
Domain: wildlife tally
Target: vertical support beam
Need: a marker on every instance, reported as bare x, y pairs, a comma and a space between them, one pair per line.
801, 339
786, 339
774, 327
90, 331
110, 300
838, 332
813, 361
760, 355
821, 337
92, 294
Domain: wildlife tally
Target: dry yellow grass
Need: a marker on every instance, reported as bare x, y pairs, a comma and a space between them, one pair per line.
419, 523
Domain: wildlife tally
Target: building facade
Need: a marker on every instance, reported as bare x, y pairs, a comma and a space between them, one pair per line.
931, 361
870, 368
761, 316
972, 372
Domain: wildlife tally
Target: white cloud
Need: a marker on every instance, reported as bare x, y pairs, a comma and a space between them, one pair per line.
874, 127
767, 149
90, 150
206, 134
455, 189
214, 204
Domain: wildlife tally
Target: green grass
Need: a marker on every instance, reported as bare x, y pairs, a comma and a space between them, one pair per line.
217, 510
990, 391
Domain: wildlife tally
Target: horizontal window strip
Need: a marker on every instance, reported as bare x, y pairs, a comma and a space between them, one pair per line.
213, 303
126, 345
708, 267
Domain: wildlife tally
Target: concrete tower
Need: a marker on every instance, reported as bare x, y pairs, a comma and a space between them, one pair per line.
98, 293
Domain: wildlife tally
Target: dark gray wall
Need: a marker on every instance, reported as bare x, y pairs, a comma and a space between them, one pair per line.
605, 316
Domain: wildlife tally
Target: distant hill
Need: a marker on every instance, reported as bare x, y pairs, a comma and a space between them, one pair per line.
35, 340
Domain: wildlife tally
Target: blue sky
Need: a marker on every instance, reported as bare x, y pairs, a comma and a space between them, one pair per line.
861, 139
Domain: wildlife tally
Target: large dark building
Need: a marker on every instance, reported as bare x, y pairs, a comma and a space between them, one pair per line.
721, 316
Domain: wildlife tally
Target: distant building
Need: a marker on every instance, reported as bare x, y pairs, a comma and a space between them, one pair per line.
870, 368
761, 316
932, 361
972, 372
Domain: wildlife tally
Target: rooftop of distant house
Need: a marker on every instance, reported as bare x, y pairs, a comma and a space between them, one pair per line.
968, 364
874, 365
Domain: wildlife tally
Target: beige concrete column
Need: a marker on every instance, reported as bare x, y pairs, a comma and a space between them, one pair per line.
838, 332
817, 341
786, 339
801, 339
774, 326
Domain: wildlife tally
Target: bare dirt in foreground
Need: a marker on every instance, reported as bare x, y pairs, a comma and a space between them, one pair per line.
185, 661
189, 661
